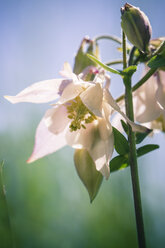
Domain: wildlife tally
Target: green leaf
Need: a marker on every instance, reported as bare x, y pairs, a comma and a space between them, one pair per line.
118, 163
130, 70
107, 68
145, 149
156, 61
125, 126
121, 143
87, 172
141, 136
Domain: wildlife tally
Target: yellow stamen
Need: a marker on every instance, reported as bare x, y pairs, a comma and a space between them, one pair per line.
79, 114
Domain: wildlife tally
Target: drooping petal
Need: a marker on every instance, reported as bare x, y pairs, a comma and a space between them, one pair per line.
102, 147
97, 138
92, 98
113, 103
67, 72
56, 119
160, 93
46, 142
41, 92
146, 107
70, 92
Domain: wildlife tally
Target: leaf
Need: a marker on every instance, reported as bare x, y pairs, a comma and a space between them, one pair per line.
87, 172
121, 143
125, 126
145, 149
118, 163
141, 136
156, 61
107, 68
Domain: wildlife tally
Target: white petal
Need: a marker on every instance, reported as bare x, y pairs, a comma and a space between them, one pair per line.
146, 107
46, 142
67, 72
41, 92
160, 93
82, 138
113, 103
107, 81
97, 138
70, 92
56, 119
88, 70
92, 98
102, 147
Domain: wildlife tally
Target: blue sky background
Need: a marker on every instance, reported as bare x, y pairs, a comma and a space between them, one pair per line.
37, 37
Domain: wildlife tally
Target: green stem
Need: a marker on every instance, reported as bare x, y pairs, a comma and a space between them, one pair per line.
115, 62
6, 237
140, 83
124, 51
132, 154
131, 56
108, 37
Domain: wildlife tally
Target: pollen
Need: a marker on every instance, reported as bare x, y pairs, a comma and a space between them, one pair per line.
79, 114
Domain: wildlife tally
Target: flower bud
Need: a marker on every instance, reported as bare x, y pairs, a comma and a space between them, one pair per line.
87, 172
136, 26
81, 59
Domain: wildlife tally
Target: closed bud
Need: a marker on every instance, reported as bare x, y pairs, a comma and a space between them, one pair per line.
136, 26
81, 59
87, 172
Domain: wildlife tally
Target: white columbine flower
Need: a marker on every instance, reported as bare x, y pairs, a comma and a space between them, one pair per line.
80, 117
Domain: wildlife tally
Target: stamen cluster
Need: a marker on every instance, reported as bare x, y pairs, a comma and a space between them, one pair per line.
79, 114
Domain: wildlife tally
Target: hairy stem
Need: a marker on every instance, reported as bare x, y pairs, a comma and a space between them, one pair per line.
132, 154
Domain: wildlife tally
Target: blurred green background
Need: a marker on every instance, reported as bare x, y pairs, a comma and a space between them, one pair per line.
47, 204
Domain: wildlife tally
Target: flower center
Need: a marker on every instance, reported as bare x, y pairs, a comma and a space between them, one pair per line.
79, 114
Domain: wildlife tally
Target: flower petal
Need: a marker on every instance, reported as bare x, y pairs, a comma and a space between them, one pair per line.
70, 92
88, 70
160, 93
41, 92
82, 138
146, 107
92, 98
97, 138
113, 103
56, 119
102, 147
67, 72
46, 142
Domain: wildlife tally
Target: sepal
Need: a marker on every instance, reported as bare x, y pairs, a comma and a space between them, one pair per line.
86, 170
